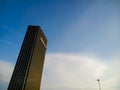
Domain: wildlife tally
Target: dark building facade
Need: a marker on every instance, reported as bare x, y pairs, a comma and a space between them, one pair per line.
27, 73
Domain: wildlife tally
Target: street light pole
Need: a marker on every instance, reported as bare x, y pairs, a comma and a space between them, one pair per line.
99, 84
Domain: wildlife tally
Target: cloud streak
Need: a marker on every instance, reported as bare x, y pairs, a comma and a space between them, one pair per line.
96, 30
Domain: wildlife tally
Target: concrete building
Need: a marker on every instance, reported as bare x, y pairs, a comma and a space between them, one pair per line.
27, 73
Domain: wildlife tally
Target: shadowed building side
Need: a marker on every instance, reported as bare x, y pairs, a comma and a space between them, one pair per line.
27, 73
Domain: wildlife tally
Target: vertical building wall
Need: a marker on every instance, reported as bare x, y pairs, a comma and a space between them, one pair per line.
36, 67
28, 69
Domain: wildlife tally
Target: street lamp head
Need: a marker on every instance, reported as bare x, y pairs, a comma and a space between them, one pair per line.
98, 80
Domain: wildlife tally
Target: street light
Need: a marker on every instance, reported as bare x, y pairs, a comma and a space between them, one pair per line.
99, 84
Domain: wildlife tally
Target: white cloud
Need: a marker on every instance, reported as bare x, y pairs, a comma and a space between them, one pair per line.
6, 69
65, 71
79, 72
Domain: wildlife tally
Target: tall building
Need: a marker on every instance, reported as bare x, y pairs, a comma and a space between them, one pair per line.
27, 73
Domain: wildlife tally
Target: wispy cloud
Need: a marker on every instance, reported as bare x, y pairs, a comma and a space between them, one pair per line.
6, 42
3, 26
96, 30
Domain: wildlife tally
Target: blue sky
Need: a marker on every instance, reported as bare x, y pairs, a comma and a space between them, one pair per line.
52, 16
83, 36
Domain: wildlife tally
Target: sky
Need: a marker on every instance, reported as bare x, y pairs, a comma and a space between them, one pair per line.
83, 41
